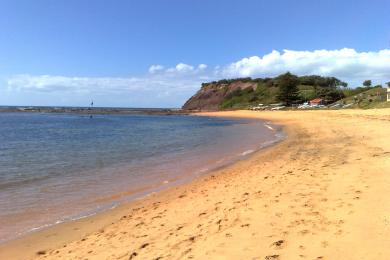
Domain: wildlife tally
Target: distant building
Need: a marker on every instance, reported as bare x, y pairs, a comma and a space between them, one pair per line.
388, 94
316, 102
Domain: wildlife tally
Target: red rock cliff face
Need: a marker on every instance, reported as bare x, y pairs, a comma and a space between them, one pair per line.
211, 95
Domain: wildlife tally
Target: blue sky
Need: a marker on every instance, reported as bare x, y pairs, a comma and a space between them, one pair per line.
156, 53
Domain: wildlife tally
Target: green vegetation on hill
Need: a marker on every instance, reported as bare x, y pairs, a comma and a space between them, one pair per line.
348, 92
365, 97
249, 96
286, 88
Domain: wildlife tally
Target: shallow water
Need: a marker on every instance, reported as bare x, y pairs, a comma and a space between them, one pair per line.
56, 167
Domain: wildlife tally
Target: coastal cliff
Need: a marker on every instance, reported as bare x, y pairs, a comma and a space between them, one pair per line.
211, 95
241, 93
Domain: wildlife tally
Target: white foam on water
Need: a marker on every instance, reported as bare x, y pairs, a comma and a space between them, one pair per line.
269, 127
247, 152
204, 170
220, 161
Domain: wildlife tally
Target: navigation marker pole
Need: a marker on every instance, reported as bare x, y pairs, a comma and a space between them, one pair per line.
90, 108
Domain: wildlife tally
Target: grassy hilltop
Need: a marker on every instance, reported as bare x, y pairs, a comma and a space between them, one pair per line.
287, 88
374, 97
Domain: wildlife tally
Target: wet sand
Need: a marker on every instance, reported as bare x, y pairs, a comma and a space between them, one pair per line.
323, 193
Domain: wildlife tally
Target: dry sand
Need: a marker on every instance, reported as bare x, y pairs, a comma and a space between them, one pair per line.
324, 193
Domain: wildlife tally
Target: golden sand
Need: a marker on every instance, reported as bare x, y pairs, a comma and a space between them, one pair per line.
323, 193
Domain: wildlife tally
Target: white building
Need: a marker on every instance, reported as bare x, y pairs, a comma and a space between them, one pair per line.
388, 94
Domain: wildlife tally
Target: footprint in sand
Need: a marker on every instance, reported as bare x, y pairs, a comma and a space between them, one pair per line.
41, 252
304, 232
278, 244
134, 254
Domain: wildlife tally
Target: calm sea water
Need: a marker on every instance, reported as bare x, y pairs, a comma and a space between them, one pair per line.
57, 167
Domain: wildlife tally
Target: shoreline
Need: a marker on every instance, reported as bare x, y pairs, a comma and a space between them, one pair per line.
305, 197
78, 221
128, 196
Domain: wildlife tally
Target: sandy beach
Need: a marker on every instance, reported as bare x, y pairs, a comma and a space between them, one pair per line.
323, 193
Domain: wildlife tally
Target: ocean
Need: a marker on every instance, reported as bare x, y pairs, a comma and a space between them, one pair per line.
58, 167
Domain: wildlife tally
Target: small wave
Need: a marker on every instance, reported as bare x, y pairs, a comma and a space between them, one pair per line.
150, 194
203, 170
38, 228
269, 127
65, 219
279, 137
247, 152
88, 215
220, 161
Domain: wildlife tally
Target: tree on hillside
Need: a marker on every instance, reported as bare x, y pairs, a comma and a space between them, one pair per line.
261, 91
367, 83
344, 84
288, 89
330, 95
388, 84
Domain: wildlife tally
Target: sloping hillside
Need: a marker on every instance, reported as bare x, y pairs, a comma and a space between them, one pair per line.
372, 98
245, 92
212, 95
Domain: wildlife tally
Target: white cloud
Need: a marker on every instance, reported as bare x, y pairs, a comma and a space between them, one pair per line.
181, 68
184, 67
155, 68
174, 85
346, 64
48, 83
202, 66
158, 88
